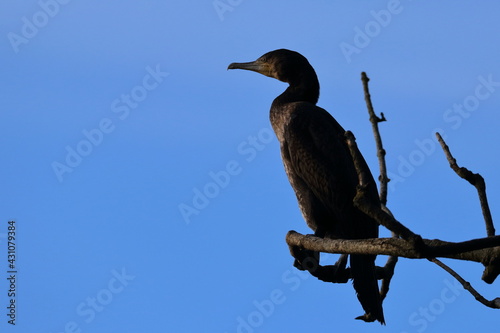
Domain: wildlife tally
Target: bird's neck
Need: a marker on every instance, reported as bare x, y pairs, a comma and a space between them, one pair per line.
302, 91
305, 91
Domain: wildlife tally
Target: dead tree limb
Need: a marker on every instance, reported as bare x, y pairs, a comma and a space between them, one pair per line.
390, 265
475, 180
492, 269
495, 304
374, 120
478, 250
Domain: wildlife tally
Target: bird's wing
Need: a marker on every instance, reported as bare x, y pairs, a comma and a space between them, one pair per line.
319, 155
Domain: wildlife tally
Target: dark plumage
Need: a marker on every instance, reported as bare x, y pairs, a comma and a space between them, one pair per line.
320, 167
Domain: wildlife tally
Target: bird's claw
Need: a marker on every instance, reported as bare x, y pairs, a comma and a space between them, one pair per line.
305, 260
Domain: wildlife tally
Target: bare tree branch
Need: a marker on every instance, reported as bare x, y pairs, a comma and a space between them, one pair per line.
374, 120
495, 304
475, 180
477, 250
383, 179
389, 267
492, 269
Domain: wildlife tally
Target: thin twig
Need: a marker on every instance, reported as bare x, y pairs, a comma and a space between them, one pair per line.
374, 120
475, 180
383, 179
492, 269
389, 267
495, 304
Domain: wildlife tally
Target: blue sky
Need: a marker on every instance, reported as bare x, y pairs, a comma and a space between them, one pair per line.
116, 116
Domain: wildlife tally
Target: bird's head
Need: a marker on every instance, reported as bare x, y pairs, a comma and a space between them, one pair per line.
284, 65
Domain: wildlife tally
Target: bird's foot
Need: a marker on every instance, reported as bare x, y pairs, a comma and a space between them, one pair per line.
337, 273
305, 260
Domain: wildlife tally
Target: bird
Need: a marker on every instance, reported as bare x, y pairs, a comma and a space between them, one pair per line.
320, 167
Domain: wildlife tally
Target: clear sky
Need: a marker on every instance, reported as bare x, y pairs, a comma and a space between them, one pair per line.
147, 187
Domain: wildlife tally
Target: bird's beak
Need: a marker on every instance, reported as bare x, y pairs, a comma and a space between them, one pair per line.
256, 66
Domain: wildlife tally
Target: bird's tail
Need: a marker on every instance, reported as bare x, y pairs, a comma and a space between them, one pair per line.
366, 286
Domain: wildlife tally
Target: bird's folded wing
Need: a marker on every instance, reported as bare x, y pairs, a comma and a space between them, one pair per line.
320, 156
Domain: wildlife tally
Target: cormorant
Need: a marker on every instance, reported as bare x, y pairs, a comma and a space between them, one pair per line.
320, 168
